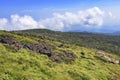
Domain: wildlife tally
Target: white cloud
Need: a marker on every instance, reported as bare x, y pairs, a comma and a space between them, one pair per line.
3, 23
92, 17
24, 22
89, 18
110, 19
110, 14
52, 23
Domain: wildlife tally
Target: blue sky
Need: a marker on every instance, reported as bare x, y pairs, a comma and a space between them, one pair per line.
63, 15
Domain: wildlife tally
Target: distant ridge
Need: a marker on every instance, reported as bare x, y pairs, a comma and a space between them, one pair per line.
117, 33
102, 41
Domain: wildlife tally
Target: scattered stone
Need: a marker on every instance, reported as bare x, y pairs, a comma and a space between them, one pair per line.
7, 39
65, 57
17, 45
82, 53
41, 48
56, 58
107, 58
61, 45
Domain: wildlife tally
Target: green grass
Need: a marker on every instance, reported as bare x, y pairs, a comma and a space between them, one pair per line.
22, 39
26, 65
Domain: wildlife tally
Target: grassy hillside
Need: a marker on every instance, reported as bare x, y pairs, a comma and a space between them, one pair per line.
25, 64
108, 43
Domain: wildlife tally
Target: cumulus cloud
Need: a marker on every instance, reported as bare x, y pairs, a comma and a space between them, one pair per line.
24, 22
3, 23
88, 18
92, 17
110, 14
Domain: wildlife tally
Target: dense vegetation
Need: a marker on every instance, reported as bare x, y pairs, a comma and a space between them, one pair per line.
108, 43
24, 64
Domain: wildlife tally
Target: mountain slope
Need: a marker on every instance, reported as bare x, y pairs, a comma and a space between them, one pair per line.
67, 61
108, 43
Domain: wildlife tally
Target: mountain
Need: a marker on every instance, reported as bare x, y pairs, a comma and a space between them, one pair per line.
94, 30
105, 42
41, 54
117, 33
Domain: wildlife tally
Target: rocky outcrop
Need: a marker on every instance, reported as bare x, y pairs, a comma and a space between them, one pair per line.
61, 45
65, 57
7, 39
107, 58
41, 48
